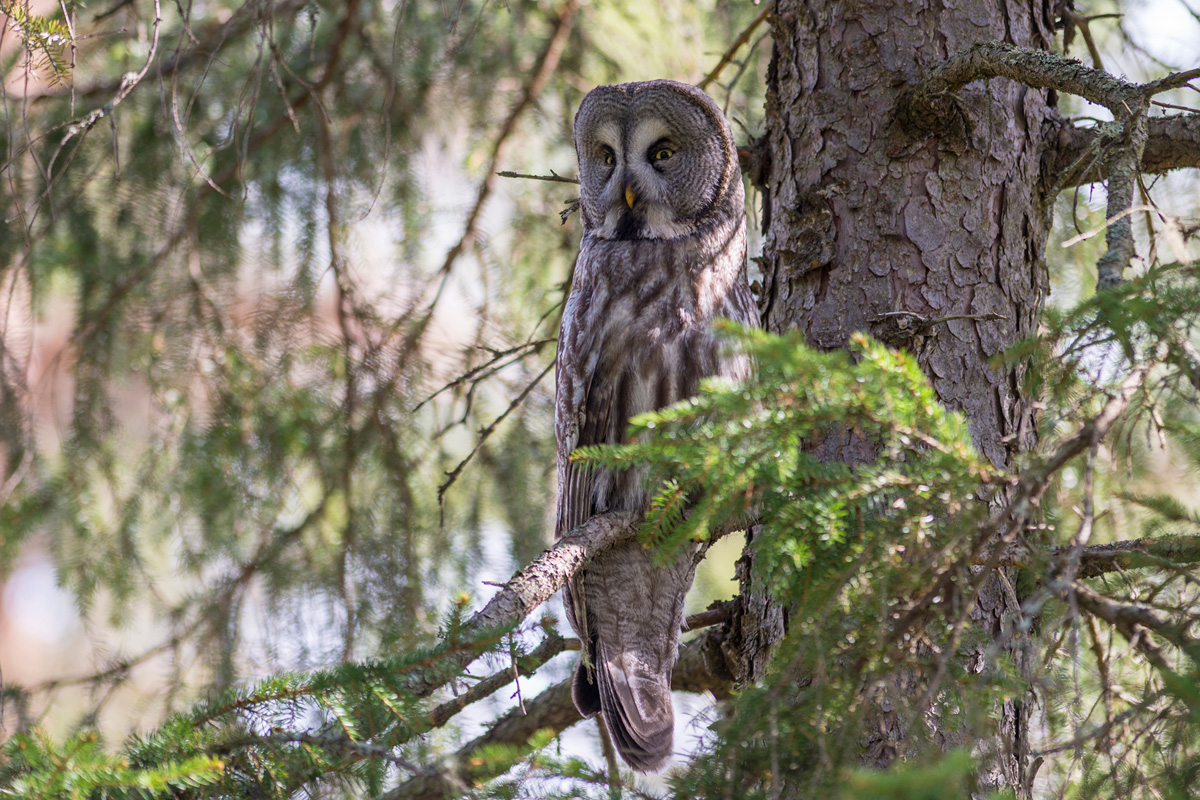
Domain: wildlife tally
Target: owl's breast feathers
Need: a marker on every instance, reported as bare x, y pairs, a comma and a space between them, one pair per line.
636, 336
637, 328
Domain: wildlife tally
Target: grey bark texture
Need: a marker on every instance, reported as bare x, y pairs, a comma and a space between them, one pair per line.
867, 215
1172, 143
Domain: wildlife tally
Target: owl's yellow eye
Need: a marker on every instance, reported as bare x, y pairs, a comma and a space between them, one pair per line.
609, 159
663, 153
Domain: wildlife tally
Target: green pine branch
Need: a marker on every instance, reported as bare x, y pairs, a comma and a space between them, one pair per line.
45, 39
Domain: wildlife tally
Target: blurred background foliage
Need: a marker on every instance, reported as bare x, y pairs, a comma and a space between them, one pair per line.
260, 292
275, 343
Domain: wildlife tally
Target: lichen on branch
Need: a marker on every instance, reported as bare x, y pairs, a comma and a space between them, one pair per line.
930, 106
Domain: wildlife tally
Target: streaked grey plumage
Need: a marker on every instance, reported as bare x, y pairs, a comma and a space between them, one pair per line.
663, 254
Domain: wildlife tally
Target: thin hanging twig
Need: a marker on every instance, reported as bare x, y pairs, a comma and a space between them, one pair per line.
453, 474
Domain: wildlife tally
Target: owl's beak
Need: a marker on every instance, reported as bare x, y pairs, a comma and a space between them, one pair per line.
629, 195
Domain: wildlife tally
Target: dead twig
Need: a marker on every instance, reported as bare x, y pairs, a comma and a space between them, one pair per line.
551, 177
484, 434
737, 44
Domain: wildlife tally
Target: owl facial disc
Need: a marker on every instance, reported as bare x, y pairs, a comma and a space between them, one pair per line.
654, 160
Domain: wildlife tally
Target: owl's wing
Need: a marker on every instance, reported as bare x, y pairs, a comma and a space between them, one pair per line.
583, 407
575, 507
740, 305
575, 496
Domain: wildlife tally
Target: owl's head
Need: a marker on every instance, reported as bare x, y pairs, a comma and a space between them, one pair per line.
656, 160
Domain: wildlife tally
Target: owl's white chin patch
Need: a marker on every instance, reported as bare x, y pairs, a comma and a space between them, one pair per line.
661, 223
653, 221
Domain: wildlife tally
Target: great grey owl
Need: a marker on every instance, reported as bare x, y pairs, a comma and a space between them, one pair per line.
663, 254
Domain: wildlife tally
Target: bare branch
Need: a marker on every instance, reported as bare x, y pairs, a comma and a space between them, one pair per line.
1171, 143
1134, 622
493, 365
551, 177
528, 589
742, 38
524, 667
1083, 24
1169, 82
1032, 485
716, 614
484, 434
1101, 559
930, 103
1124, 165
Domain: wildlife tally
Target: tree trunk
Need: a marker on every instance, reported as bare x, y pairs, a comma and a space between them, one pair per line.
864, 218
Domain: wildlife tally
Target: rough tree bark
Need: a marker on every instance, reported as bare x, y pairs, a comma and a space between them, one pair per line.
866, 216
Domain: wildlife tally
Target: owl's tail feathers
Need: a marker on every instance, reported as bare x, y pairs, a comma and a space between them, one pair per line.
636, 701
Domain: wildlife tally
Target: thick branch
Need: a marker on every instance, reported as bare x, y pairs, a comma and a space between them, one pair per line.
528, 589
1124, 164
531, 587
1172, 143
931, 106
1149, 552
1135, 622
1101, 559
